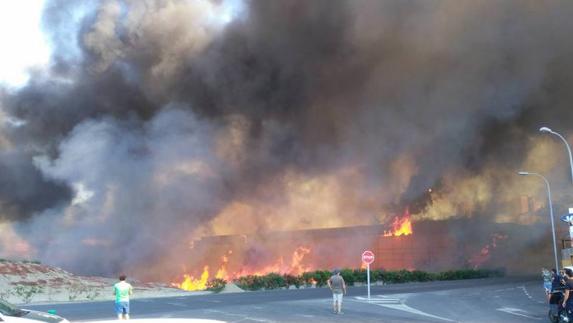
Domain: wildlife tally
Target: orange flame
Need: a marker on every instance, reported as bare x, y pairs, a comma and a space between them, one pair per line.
480, 258
191, 284
297, 257
401, 226
222, 272
296, 267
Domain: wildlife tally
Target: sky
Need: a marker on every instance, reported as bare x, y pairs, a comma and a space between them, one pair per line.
23, 43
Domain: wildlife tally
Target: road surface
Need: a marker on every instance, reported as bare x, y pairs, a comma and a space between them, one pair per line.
479, 300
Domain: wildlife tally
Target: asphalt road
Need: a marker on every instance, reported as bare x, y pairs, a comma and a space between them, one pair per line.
480, 300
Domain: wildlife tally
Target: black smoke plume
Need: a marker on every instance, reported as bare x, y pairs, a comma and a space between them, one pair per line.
154, 116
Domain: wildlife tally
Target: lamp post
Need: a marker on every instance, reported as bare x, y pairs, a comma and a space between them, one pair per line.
548, 130
550, 213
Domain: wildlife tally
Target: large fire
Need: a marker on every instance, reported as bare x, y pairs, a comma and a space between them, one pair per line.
293, 262
190, 283
400, 226
294, 267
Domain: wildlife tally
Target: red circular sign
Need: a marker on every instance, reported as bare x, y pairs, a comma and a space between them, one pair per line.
368, 257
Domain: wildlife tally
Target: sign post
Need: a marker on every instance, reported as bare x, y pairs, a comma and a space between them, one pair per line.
368, 258
568, 218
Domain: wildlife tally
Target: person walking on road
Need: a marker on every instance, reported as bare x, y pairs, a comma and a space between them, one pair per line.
122, 290
338, 287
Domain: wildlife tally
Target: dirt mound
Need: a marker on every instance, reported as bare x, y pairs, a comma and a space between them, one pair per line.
232, 288
26, 282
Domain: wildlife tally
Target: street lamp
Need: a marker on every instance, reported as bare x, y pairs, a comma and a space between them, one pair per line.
550, 213
548, 130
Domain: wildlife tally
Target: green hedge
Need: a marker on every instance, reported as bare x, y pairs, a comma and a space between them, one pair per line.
318, 278
216, 285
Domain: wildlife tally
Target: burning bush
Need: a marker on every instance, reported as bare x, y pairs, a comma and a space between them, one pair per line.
250, 282
216, 285
292, 280
317, 277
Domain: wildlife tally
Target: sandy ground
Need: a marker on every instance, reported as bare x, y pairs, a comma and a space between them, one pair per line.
26, 282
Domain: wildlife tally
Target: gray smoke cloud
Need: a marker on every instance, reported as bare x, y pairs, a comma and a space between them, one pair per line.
154, 116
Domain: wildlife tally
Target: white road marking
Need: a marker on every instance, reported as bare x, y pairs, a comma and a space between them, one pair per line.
525, 291
177, 304
396, 304
518, 312
379, 300
528, 295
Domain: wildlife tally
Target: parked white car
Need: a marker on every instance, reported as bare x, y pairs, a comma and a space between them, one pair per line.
12, 314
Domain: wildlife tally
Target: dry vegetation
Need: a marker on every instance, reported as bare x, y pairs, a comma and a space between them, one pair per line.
28, 281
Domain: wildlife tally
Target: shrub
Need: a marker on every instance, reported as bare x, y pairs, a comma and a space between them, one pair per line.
28, 292
75, 290
216, 285
291, 280
361, 276
348, 276
272, 281
393, 277
421, 276
466, 274
319, 277
308, 278
250, 282
375, 275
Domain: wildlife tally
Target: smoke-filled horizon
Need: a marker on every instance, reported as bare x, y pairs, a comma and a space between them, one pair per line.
159, 122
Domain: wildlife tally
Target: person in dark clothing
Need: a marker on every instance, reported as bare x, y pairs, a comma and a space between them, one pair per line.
557, 281
568, 293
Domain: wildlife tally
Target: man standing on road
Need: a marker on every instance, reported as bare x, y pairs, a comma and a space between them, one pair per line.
338, 287
568, 296
122, 290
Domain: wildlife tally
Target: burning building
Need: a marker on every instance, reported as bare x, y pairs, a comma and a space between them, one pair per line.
424, 245
160, 124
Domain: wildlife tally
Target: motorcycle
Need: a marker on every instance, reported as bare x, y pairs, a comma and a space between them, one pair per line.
557, 314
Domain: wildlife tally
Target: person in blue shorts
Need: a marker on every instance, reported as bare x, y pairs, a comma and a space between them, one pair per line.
122, 290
